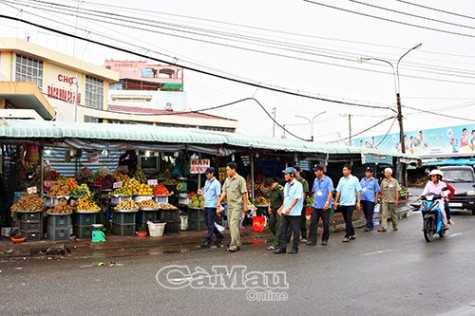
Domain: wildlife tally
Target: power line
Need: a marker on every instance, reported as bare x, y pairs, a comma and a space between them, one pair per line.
439, 114
268, 43
438, 10
366, 129
389, 20
245, 82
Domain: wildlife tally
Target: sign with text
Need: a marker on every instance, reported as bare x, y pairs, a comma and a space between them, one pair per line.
199, 165
117, 185
31, 190
94, 157
152, 182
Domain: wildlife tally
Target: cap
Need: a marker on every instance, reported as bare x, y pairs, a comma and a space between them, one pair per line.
210, 170
369, 169
289, 170
318, 167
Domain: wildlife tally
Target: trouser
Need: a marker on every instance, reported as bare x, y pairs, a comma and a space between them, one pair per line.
347, 212
209, 213
447, 210
368, 210
388, 208
303, 223
234, 213
316, 215
274, 225
442, 211
294, 222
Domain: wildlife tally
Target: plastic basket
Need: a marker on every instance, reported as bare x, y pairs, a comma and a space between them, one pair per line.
156, 229
141, 198
161, 199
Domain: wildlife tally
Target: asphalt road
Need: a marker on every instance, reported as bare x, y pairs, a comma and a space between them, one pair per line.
395, 273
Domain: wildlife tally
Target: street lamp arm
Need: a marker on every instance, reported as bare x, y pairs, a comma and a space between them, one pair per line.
305, 118
400, 58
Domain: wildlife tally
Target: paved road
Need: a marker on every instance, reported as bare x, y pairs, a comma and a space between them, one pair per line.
396, 273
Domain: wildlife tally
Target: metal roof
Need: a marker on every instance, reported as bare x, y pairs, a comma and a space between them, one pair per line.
30, 129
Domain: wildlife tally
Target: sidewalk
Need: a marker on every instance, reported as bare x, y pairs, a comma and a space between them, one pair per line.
117, 246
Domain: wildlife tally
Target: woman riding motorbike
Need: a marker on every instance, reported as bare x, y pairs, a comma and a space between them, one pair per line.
437, 187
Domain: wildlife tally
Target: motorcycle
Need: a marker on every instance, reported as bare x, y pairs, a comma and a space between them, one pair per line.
432, 216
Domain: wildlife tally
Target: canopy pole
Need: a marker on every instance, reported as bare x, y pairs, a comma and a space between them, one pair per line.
42, 171
252, 177
199, 176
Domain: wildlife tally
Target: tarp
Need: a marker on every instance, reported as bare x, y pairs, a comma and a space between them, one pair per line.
454, 162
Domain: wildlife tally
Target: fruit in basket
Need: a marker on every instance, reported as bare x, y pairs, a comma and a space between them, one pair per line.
171, 182
86, 204
61, 208
149, 204
261, 201
167, 206
30, 202
84, 174
140, 176
81, 191
71, 183
122, 191
160, 189
197, 200
128, 204
60, 188
119, 177
138, 188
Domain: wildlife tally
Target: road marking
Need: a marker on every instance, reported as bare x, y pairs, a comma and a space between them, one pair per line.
467, 310
377, 252
453, 235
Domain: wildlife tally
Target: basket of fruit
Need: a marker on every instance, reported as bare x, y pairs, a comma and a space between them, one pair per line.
62, 208
86, 205
28, 203
149, 205
127, 206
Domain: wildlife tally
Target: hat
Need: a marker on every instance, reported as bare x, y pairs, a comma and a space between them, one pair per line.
210, 170
369, 169
289, 170
318, 167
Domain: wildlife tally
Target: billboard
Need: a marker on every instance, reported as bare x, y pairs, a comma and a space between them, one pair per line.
444, 140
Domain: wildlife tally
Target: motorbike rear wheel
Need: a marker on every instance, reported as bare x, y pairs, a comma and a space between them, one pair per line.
429, 229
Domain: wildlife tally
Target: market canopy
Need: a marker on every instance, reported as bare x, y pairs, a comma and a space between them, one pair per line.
99, 136
454, 162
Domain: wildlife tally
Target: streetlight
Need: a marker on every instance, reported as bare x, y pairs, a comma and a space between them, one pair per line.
311, 122
397, 87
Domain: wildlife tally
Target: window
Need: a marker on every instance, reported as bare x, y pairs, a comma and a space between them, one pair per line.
94, 93
91, 119
29, 69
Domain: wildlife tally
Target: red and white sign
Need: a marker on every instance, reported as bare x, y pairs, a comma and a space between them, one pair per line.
94, 157
117, 185
152, 182
31, 190
199, 165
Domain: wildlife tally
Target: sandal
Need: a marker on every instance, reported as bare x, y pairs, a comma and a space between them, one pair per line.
382, 230
395, 229
353, 237
303, 240
346, 239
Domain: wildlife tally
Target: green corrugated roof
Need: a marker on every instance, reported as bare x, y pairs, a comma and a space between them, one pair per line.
29, 129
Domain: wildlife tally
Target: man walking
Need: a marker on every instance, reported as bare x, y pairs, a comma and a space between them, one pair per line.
290, 211
369, 197
303, 217
389, 200
322, 203
276, 199
234, 189
211, 193
349, 191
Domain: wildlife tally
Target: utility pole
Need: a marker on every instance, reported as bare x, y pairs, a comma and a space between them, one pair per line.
283, 135
349, 129
274, 115
76, 99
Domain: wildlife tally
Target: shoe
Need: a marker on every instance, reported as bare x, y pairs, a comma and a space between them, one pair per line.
309, 243
381, 230
271, 247
451, 222
205, 245
346, 239
219, 240
353, 237
232, 249
303, 240
395, 229
446, 227
367, 229
324, 243
293, 251
279, 251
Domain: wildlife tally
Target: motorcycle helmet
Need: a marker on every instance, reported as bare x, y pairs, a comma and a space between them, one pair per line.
437, 173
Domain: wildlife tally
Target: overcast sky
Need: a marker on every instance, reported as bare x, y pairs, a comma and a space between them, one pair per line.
340, 36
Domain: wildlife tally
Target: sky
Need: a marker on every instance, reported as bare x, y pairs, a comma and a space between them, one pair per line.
296, 45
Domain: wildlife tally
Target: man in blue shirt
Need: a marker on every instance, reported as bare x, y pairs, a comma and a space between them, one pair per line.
322, 204
211, 193
290, 211
349, 191
369, 197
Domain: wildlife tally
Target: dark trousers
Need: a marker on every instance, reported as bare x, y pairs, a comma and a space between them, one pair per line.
209, 213
368, 210
289, 221
347, 212
447, 209
303, 224
316, 215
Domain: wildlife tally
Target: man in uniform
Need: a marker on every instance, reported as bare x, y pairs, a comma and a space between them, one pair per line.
303, 217
276, 199
369, 197
235, 190
389, 200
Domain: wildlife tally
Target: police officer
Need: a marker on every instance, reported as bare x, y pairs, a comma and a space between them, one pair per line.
369, 197
276, 199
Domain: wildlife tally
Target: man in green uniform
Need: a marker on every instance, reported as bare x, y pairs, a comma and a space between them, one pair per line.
303, 217
389, 200
276, 199
235, 190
